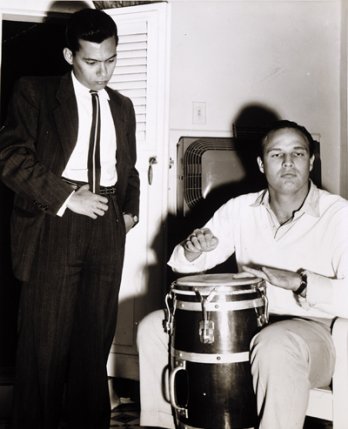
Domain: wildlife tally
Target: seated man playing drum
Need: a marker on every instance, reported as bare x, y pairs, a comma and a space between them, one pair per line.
294, 236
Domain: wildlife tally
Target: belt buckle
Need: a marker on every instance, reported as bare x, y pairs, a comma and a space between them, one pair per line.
108, 190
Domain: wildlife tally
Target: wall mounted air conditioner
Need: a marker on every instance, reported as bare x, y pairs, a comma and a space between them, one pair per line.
205, 165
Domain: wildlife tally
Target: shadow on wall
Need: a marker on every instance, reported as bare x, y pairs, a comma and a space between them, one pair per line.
249, 126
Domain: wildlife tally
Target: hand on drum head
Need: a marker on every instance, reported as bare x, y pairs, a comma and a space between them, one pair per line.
201, 240
285, 279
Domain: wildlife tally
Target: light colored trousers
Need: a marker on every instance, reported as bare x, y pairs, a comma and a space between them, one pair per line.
288, 358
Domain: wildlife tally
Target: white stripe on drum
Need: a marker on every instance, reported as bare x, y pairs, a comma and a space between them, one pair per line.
220, 306
214, 358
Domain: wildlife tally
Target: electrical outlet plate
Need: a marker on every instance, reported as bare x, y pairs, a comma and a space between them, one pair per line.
199, 113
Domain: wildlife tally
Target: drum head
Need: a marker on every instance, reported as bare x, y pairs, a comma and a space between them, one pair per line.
221, 282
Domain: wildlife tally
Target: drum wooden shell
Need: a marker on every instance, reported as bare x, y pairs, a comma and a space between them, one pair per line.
210, 381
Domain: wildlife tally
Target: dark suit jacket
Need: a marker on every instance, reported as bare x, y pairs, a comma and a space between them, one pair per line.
36, 142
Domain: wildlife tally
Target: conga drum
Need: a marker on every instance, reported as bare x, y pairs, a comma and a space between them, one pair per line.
211, 321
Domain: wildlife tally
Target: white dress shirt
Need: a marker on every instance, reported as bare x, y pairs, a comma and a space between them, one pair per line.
76, 168
316, 239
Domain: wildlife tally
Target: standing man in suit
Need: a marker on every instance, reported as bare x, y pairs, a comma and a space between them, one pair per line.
69, 155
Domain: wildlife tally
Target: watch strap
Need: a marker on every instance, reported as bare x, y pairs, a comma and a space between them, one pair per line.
303, 284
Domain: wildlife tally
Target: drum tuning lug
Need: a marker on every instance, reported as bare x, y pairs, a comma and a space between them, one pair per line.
183, 412
206, 331
262, 319
206, 326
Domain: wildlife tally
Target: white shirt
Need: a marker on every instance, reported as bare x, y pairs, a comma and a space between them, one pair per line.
76, 168
316, 240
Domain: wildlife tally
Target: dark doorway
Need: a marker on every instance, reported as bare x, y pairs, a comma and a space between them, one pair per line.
28, 48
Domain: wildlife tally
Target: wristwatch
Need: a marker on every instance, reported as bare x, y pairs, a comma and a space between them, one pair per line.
134, 218
303, 284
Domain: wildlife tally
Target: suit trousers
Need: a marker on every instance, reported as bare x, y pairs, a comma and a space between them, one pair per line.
67, 321
288, 358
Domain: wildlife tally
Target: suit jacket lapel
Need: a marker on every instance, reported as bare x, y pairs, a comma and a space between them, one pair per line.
66, 116
117, 116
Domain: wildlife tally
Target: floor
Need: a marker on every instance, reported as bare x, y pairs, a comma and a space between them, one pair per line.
126, 414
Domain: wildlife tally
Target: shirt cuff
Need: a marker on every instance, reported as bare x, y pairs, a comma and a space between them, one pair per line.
180, 264
319, 291
61, 211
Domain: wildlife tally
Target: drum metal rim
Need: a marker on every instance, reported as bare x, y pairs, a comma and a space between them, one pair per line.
186, 426
220, 306
220, 290
227, 279
213, 358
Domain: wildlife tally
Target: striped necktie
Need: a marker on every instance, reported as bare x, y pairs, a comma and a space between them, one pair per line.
93, 165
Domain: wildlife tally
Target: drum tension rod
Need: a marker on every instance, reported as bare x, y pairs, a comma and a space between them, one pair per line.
262, 318
206, 327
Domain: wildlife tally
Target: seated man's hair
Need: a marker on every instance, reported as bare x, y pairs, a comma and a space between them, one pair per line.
282, 124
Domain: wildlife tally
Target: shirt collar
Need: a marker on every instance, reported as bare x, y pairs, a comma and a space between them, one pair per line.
83, 91
310, 205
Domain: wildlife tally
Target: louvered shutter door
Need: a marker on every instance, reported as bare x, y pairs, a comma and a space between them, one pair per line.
141, 73
130, 76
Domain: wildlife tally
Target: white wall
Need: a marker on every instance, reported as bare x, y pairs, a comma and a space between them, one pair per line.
284, 55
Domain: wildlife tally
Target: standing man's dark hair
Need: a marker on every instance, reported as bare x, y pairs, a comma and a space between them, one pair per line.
91, 25
68, 151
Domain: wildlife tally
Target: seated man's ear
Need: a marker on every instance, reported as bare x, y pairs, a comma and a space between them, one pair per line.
260, 164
